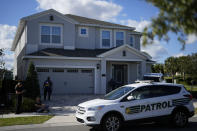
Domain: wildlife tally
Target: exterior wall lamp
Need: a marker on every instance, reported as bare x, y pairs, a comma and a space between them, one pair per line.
97, 66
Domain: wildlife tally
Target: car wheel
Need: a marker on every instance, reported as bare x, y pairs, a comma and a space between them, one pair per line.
111, 122
180, 118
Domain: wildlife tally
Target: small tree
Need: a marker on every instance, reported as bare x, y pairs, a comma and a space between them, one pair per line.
171, 66
31, 83
157, 68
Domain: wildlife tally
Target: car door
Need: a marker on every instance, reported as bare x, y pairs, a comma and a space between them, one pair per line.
162, 96
136, 108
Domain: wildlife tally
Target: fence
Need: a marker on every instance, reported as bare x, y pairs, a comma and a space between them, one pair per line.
7, 88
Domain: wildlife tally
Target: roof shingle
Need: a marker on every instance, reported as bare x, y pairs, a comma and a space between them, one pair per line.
69, 53
85, 20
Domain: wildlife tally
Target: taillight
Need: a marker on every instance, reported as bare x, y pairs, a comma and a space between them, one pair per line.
189, 96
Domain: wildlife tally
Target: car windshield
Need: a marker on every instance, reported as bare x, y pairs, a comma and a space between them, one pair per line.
119, 92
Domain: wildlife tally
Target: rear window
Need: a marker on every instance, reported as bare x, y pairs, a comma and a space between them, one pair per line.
164, 90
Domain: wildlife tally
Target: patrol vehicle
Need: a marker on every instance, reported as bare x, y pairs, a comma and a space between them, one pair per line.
143, 100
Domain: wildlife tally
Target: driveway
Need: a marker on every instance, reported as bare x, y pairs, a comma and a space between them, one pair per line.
66, 104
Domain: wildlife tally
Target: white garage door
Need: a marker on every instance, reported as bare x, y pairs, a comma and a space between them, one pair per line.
69, 80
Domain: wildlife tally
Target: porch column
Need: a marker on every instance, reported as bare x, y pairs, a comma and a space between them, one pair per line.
103, 76
143, 68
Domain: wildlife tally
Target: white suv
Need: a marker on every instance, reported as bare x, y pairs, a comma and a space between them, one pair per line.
138, 101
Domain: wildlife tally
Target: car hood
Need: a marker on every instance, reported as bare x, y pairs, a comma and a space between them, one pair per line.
95, 102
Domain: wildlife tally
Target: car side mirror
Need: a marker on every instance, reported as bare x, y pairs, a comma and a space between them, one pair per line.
129, 98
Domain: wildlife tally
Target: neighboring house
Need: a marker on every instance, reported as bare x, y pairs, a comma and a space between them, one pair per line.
81, 55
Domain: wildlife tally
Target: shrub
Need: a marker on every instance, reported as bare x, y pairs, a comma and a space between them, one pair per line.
31, 83
188, 80
28, 105
168, 80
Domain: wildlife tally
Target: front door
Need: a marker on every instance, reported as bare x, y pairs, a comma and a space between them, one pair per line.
120, 73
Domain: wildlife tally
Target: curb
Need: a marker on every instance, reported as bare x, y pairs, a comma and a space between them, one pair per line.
15, 127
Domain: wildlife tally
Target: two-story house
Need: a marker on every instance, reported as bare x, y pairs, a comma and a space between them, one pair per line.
81, 55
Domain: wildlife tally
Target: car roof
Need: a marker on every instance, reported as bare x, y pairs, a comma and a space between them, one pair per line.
140, 84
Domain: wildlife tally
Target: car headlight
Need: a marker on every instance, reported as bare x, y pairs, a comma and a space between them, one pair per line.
96, 108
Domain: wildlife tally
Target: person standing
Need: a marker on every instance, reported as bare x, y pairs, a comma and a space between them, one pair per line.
47, 88
19, 95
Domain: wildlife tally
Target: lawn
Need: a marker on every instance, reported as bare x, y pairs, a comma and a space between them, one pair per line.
24, 120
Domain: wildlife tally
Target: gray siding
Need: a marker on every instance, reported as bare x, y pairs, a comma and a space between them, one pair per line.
86, 42
71, 37
33, 31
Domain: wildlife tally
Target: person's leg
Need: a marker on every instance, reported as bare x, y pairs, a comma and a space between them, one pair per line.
46, 108
18, 106
45, 94
49, 95
40, 110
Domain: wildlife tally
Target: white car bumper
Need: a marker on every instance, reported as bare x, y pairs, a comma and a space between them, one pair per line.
89, 117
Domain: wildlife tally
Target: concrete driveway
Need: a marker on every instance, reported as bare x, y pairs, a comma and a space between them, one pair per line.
66, 104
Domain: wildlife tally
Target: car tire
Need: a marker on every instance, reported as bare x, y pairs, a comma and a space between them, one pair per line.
111, 122
180, 118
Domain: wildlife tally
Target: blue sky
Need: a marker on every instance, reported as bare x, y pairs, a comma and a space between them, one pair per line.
136, 13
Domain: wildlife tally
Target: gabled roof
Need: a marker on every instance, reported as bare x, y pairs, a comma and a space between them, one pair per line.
90, 21
23, 20
69, 53
133, 50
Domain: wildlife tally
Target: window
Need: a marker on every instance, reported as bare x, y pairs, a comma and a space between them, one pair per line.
141, 93
163, 90
58, 70
132, 40
119, 38
50, 34
86, 71
42, 69
106, 39
117, 93
83, 31
72, 70
45, 34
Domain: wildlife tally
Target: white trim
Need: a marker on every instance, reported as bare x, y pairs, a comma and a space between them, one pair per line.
61, 57
135, 33
69, 47
88, 67
50, 12
51, 25
153, 62
114, 59
124, 36
109, 27
131, 49
101, 44
79, 31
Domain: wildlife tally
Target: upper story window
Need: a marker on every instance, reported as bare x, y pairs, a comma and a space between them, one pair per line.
83, 31
119, 38
51, 34
131, 40
105, 38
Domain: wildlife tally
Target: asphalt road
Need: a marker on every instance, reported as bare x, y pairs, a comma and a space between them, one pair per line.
141, 127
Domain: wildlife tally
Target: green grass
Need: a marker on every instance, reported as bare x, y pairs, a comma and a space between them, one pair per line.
195, 110
188, 87
23, 120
